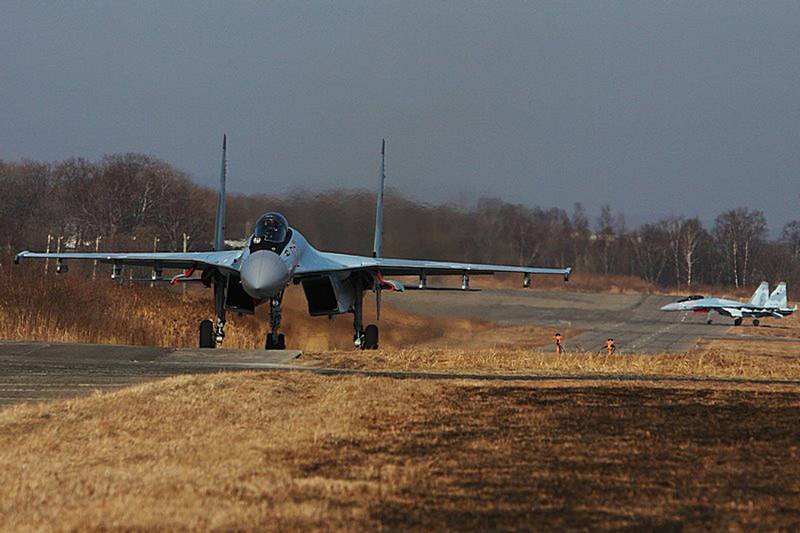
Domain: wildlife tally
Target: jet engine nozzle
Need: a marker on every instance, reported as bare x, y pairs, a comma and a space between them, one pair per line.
264, 274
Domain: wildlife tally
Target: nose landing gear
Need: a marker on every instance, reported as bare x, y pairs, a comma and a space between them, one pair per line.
275, 340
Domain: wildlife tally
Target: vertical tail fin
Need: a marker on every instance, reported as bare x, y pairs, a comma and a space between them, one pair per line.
219, 225
377, 248
759, 297
778, 296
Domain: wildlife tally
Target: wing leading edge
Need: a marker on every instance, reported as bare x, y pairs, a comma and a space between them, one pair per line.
327, 262
227, 260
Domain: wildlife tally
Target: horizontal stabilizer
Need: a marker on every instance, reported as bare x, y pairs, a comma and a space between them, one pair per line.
429, 288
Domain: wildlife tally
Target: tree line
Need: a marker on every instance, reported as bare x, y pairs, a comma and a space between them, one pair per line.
134, 201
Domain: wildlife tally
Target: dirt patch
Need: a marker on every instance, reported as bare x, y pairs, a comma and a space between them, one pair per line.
279, 451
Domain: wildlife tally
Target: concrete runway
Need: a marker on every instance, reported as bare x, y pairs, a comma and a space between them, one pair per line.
634, 321
36, 371
40, 371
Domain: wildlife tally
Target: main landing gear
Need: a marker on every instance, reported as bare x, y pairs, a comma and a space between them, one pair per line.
275, 340
363, 338
737, 322
756, 322
213, 334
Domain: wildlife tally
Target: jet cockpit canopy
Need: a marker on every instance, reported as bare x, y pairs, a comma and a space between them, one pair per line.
272, 228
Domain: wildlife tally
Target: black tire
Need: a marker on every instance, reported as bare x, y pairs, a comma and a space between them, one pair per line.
737, 322
371, 337
207, 339
756, 322
275, 342
708, 321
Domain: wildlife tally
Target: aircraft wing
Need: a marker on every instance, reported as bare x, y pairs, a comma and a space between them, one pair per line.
227, 259
332, 262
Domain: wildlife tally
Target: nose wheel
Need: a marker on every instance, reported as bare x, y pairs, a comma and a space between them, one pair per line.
275, 342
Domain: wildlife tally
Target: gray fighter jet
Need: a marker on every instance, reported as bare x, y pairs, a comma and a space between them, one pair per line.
276, 256
761, 304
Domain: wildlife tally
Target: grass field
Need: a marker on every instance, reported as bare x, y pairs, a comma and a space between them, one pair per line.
289, 451
723, 359
73, 308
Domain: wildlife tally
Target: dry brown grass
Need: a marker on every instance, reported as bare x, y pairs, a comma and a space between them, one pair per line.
289, 451
712, 360
72, 308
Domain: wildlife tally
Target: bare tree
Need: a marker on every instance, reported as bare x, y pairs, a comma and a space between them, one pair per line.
791, 237
692, 234
739, 232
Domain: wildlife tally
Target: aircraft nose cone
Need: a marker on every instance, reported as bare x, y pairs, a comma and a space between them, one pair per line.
264, 274
671, 307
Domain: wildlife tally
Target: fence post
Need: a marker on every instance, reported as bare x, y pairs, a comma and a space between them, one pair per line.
47, 261
96, 250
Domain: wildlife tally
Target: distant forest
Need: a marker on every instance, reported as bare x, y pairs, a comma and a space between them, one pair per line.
133, 201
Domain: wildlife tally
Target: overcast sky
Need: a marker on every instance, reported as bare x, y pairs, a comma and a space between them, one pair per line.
656, 108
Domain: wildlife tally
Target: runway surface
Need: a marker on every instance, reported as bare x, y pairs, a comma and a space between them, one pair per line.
38, 371
34, 371
634, 321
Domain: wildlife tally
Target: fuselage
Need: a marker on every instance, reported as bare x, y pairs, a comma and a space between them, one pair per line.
724, 307
270, 258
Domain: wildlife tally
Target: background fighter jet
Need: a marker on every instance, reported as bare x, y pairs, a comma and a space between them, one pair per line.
761, 304
277, 255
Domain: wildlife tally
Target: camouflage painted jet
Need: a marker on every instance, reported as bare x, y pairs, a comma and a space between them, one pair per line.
761, 304
276, 256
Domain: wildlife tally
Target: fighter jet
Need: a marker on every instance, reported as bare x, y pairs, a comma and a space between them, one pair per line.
761, 304
276, 256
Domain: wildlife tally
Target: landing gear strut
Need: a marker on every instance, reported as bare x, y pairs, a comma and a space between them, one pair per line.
363, 338
213, 333
275, 340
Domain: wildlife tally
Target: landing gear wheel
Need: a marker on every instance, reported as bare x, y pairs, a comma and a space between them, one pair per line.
371, 337
708, 321
756, 322
207, 334
275, 342
737, 322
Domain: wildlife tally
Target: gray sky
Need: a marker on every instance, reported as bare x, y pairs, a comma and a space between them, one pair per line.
656, 108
